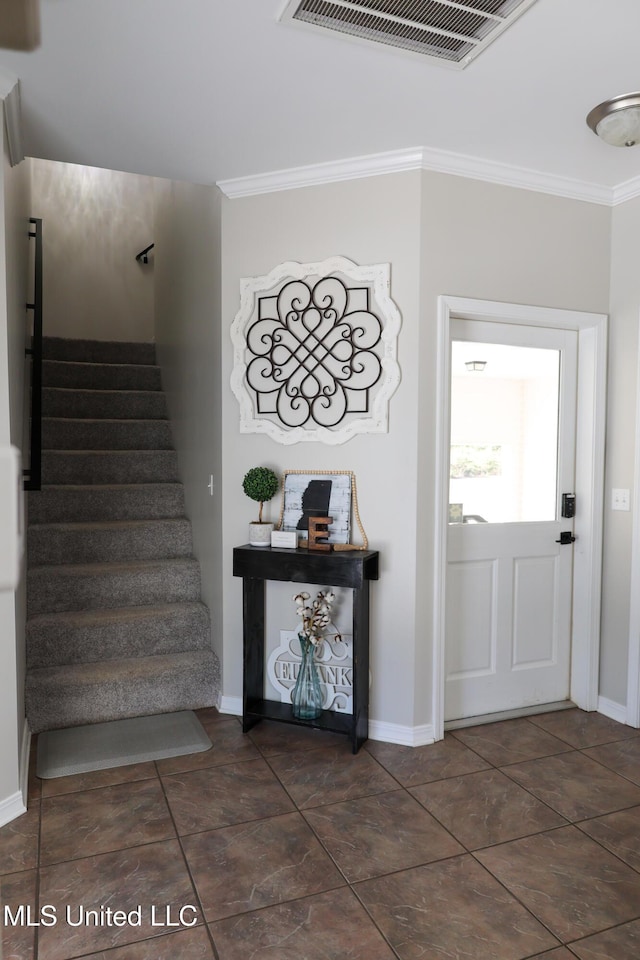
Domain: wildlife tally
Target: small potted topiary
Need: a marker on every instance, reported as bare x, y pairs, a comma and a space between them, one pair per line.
260, 484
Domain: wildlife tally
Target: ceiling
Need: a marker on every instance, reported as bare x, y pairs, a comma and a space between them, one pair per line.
209, 90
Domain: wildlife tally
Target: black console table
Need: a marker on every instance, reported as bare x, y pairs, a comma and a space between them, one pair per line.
348, 568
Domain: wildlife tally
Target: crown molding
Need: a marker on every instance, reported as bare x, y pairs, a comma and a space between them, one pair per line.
317, 174
626, 191
475, 168
418, 158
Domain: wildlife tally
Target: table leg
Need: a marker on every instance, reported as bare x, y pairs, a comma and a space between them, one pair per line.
253, 594
360, 666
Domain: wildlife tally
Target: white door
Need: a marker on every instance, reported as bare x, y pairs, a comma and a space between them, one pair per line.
509, 579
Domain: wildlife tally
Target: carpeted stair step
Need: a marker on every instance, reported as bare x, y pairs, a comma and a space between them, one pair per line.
109, 466
86, 636
75, 694
116, 626
74, 503
62, 434
106, 540
98, 351
100, 376
104, 404
88, 586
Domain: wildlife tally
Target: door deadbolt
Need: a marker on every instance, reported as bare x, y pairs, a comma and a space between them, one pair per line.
566, 537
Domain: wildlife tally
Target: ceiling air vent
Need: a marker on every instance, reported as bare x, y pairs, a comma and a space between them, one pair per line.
450, 32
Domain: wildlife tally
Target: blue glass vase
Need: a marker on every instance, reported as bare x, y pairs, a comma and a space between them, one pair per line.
307, 696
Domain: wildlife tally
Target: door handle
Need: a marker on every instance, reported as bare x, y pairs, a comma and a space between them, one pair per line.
566, 537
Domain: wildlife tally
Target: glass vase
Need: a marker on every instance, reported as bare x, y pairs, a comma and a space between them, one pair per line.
307, 699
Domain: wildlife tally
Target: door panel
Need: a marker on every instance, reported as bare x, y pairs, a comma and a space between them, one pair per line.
508, 629
472, 623
535, 637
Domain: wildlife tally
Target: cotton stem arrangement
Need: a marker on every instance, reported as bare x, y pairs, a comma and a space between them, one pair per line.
315, 615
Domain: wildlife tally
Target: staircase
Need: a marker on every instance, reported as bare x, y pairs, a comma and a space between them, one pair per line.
115, 627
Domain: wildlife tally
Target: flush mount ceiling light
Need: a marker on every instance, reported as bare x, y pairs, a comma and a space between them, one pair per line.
617, 121
473, 365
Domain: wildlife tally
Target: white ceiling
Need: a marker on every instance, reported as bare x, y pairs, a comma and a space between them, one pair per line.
504, 362
208, 90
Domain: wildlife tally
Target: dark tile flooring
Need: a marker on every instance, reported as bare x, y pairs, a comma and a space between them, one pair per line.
513, 840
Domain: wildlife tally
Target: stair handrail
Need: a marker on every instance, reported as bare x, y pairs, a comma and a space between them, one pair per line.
143, 256
33, 473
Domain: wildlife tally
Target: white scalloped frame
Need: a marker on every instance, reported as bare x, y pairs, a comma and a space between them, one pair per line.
374, 276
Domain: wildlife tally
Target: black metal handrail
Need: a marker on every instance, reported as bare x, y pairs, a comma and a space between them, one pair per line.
143, 256
33, 474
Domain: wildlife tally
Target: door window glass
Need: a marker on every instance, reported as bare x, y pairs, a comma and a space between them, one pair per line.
504, 433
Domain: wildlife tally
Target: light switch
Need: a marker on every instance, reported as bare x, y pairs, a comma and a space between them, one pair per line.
619, 499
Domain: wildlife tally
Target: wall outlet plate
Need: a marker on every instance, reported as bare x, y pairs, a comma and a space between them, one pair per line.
620, 499
284, 538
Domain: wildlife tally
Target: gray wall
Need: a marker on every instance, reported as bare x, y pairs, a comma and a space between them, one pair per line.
491, 242
620, 447
14, 212
376, 220
442, 235
187, 298
95, 222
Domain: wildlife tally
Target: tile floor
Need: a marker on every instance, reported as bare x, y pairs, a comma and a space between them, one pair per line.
514, 840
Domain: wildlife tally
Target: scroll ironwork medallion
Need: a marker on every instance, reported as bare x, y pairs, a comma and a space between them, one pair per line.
315, 351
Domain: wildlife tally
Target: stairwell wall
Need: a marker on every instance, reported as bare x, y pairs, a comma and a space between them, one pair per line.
187, 331
94, 223
14, 252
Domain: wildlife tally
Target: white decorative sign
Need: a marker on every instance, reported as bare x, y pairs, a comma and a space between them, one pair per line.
284, 538
335, 669
315, 351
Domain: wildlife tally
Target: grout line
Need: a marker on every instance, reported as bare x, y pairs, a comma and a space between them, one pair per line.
353, 885
186, 863
36, 937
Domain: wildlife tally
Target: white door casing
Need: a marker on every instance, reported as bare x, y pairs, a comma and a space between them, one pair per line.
589, 486
509, 580
633, 661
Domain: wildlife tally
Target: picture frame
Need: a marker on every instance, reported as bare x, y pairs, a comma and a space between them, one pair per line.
331, 493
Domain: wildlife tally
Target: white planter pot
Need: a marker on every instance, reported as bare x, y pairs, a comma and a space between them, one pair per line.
260, 534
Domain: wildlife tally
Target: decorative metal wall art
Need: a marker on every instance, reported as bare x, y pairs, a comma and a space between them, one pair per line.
315, 351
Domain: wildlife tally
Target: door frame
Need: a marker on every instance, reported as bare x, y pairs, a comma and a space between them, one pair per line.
590, 445
632, 710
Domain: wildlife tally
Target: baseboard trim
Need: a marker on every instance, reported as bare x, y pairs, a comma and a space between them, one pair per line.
25, 754
405, 736
16, 804
378, 730
613, 710
424, 734
232, 705
11, 807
